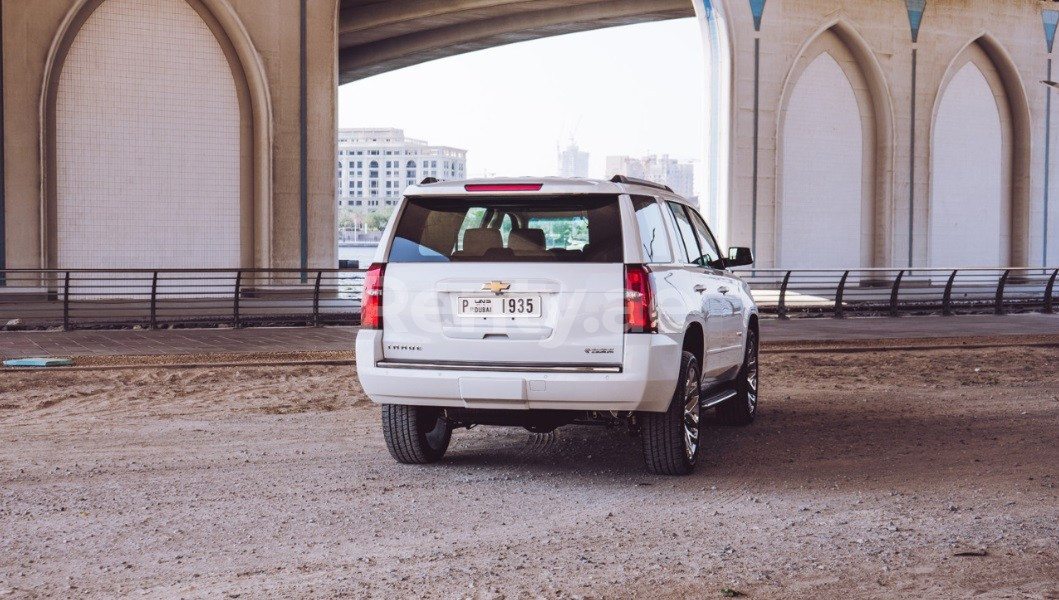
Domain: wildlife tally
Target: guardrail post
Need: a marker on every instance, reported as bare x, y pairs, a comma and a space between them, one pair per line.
154, 300
236, 322
66, 302
895, 294
316, 299
999, 309
1048, 293
946, 301
781, 310
840, 311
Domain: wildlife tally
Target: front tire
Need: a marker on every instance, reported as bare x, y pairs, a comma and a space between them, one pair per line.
671, 439
415, 435
742, 409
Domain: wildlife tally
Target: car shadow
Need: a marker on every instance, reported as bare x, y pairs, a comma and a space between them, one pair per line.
790, 445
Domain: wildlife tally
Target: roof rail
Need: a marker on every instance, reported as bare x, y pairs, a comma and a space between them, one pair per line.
644, 182
429, 180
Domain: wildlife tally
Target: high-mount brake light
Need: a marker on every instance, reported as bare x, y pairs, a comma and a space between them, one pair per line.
640, 315
371, 303
504, 187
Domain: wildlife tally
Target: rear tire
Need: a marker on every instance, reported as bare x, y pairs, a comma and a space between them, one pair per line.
742, 409
671, 439
415, 435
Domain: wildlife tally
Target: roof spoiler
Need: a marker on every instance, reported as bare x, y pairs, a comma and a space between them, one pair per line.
644, 182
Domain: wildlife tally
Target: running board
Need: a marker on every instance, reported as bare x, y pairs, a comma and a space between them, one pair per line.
718, 398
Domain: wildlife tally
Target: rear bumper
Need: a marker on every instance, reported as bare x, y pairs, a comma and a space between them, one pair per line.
644, 382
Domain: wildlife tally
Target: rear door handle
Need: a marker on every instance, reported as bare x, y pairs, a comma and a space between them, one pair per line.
701, 289
723, 290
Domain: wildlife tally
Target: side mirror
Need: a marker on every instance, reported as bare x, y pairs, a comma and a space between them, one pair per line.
740, 257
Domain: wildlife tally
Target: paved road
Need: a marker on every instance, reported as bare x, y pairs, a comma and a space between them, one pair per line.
206, 341
177, 341
827, 329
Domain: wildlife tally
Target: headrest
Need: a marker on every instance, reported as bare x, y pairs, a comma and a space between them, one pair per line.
526, 240
477, 242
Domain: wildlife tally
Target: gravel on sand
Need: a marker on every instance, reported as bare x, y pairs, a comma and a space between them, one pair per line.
872, 474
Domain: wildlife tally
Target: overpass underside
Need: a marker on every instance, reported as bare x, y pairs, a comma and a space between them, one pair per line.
379, 36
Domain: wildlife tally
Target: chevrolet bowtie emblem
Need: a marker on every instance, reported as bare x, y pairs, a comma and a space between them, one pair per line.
497, 287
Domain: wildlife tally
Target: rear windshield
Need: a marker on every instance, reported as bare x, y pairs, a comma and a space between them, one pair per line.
580, 229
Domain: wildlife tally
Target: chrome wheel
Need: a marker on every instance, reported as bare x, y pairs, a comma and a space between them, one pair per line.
742, 408
692, 414
751, 373
671, 438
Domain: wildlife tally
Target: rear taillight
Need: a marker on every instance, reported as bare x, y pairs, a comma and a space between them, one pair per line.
371, 303
640, 316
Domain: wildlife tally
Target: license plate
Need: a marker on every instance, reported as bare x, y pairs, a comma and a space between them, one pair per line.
501, 307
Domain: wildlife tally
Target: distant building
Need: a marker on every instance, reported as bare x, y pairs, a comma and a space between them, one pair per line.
376, 165
573, 162
680, 176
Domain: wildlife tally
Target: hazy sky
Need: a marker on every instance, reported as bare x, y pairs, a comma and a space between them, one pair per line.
629, 90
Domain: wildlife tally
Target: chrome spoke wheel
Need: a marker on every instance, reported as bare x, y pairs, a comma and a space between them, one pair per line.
671, 438
751, 373
741, 409
692, 414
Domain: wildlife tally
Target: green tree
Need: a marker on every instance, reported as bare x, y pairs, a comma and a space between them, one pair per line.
348, 219
377, 219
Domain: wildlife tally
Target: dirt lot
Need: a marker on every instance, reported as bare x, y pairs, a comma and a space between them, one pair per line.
867, 475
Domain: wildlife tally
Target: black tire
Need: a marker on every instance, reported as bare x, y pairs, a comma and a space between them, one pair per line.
415, 435
666, 448
742, 409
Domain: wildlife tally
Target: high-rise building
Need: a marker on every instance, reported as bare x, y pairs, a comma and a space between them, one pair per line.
573, 162
376, 165
678, 175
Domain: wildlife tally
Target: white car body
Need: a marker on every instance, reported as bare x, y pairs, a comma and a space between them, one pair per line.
576, 355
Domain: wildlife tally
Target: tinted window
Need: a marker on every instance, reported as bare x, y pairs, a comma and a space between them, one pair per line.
685, 232
652, 229
711, 254
523, 229
568, 231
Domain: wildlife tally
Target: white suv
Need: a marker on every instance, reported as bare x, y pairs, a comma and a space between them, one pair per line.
545, 302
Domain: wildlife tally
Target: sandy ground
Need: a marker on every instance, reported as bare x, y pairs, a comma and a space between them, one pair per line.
867, 475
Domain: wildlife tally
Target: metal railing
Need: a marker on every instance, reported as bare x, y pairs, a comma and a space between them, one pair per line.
85, 299
73, 299
895, 292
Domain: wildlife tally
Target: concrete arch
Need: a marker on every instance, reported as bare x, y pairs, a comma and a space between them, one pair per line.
1005, 81
865, 75
256, 126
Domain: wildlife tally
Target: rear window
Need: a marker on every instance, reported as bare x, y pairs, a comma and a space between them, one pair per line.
582, 229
